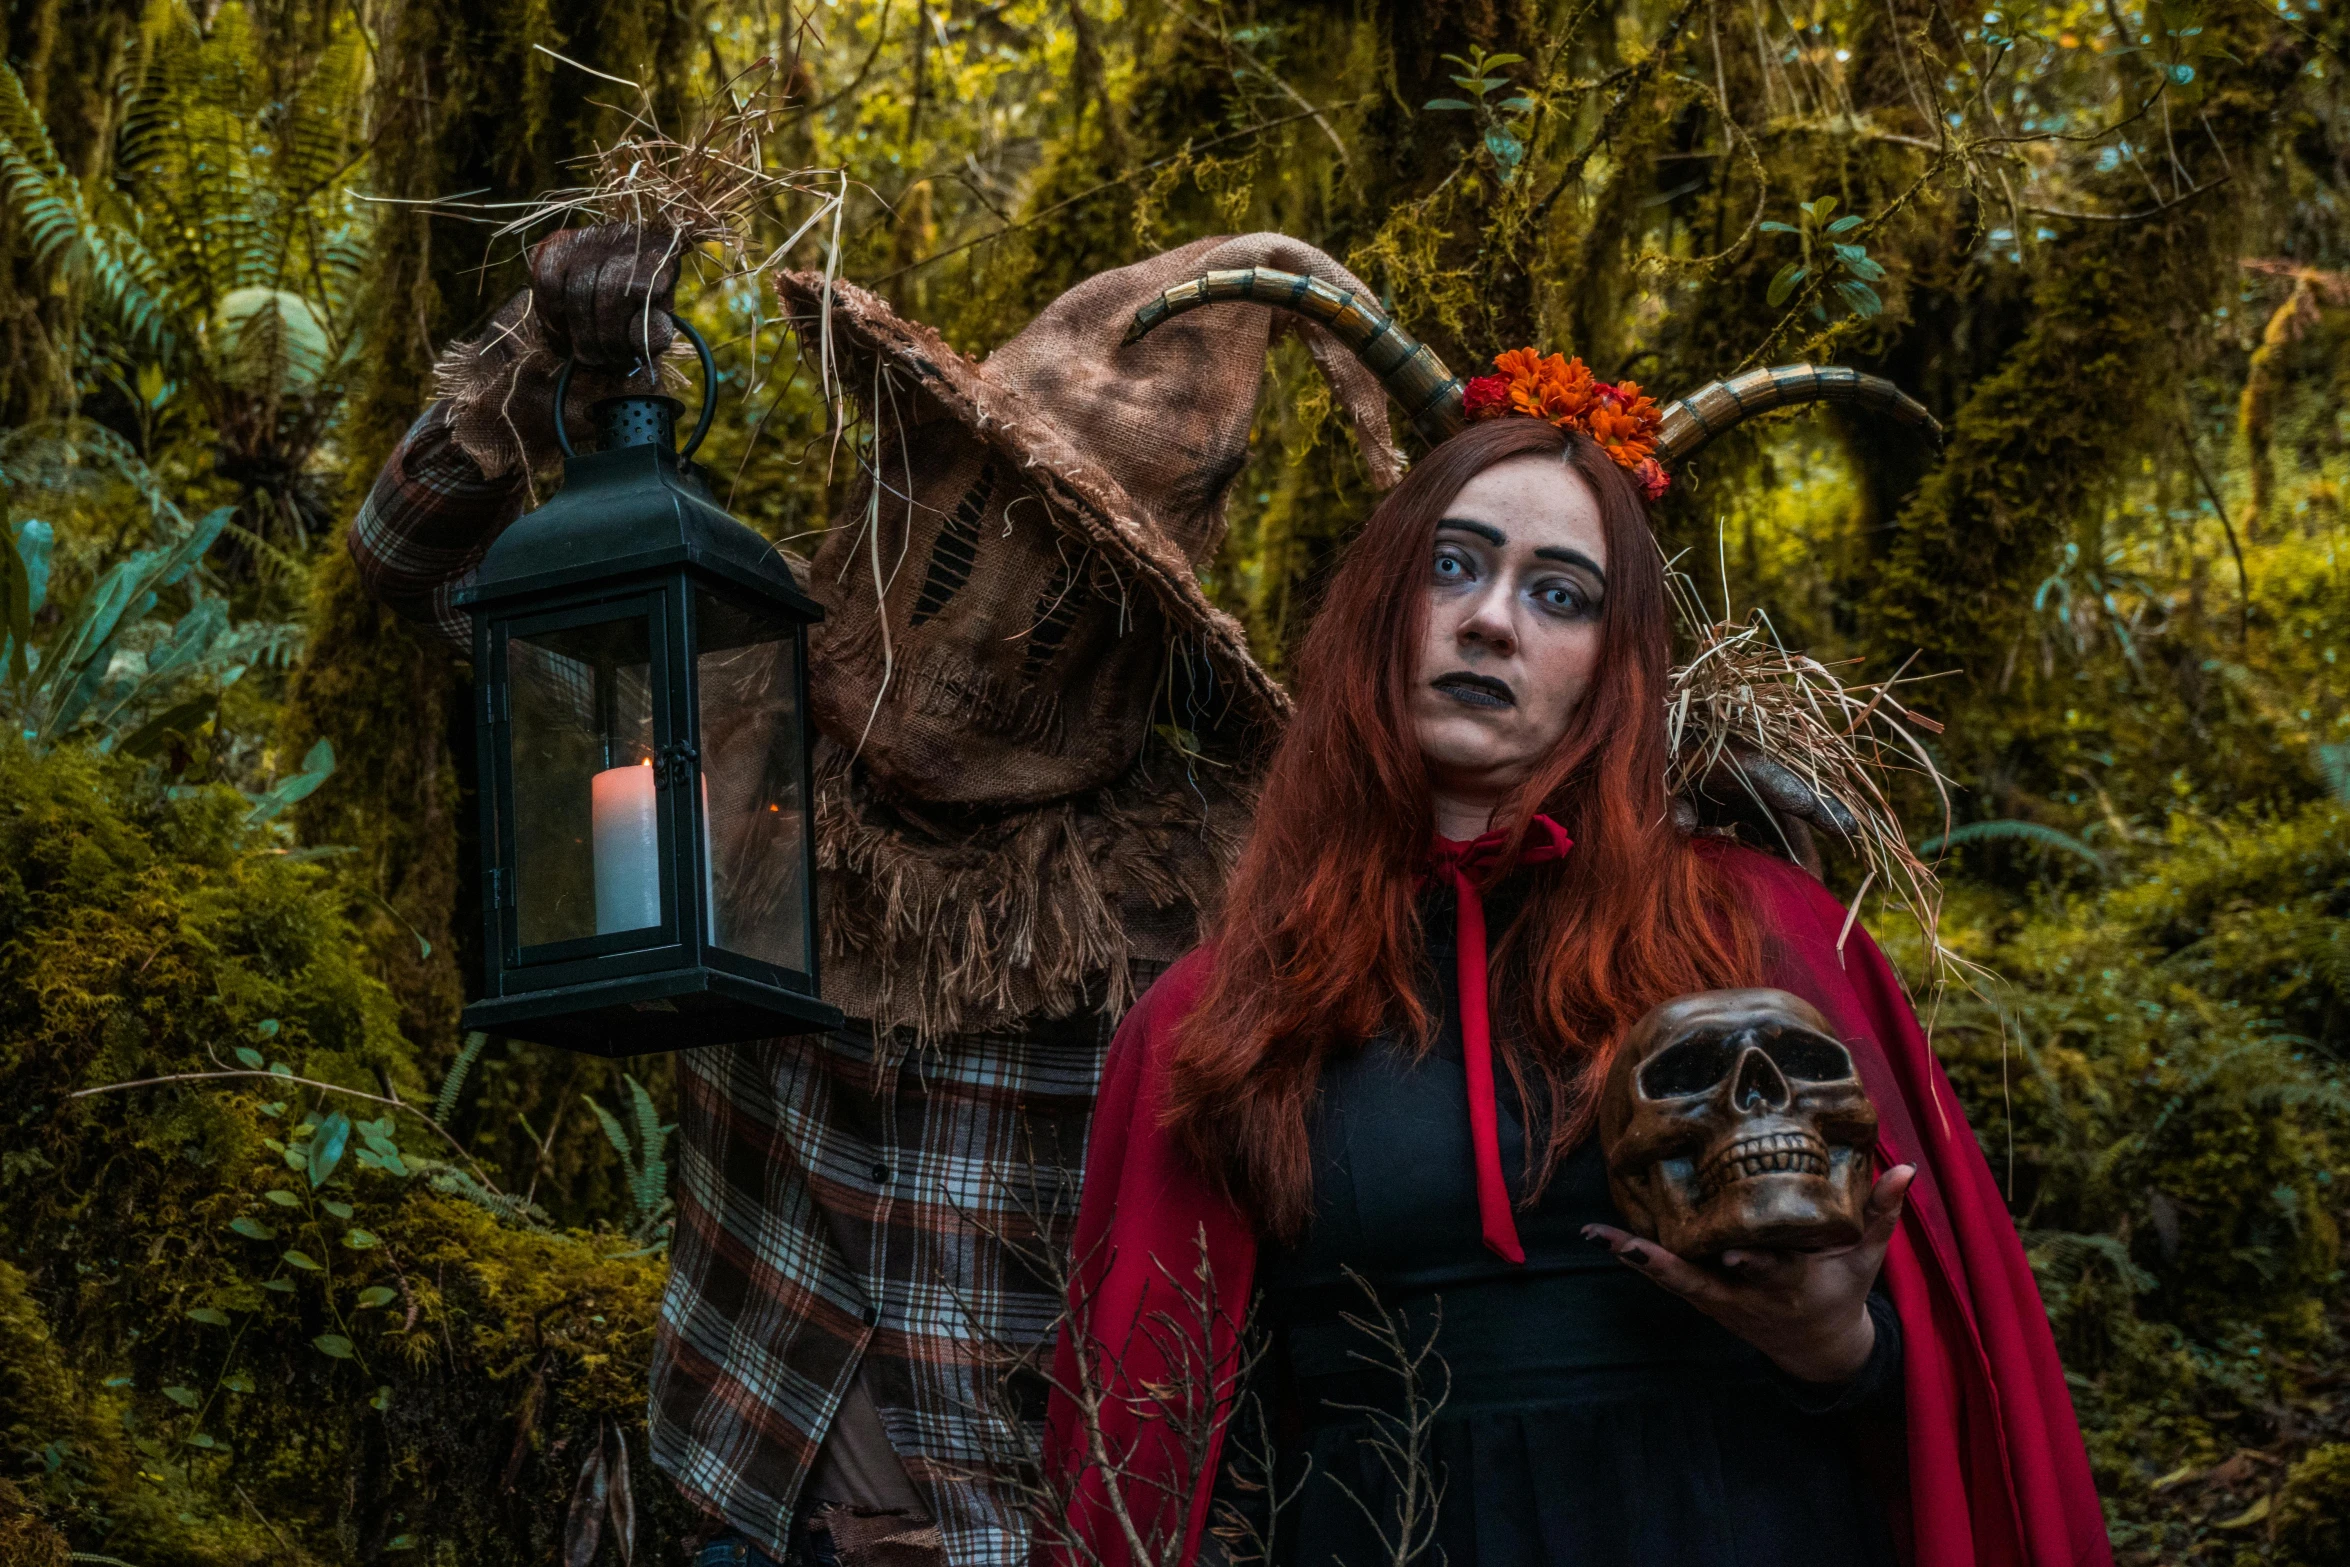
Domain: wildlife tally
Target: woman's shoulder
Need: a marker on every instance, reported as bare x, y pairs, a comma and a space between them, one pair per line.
1171, 997
1786, 899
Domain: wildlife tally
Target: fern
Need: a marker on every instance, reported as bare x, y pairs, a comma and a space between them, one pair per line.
453, 1085
225, 249
2027, 832
642, 1157
125, 278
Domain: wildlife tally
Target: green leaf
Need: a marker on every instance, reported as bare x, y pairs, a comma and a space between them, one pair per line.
282, 1286
326, 1148
403, 1542
304, 1261
199, 1439
382, 1399
249, 1056
333, 1344
209, 1315
253, 1229
317, 767
1862, 298
1779, 228
267, 1028
1820, 208
281, 1069
185, 1397
360, 1240
377, 1295
1506, 149
1845, 224
385, 1159
1791, 274
341, 1210
297, 1159
237, 1382
1492, 60
1517, 105
282, 1197
1433, 103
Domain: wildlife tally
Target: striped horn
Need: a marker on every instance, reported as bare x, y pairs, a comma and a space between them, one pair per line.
1428, 393
1718, 406
1431, 395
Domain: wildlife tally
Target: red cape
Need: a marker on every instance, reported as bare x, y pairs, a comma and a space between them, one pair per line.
1997, 1476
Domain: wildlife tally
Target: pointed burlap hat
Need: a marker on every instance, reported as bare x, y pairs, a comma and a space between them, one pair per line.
1011, 588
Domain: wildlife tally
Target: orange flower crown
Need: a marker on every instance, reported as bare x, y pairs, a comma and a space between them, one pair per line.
1617, 415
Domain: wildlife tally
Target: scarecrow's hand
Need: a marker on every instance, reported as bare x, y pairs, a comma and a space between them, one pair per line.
1765, 802
600, 296
604, 293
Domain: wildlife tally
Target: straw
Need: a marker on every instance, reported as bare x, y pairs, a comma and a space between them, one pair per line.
1742, 689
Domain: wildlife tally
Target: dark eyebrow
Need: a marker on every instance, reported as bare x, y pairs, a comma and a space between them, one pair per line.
1567, 557
1484, 530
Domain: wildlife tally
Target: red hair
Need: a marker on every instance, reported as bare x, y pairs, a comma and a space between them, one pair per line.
1319, 946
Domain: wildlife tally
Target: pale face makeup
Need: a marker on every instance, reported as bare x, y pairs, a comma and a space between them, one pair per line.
1515, 582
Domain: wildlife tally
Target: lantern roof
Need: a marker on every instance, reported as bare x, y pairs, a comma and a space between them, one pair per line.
630, 510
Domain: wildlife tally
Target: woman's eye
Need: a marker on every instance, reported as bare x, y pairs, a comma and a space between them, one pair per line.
1564, 597
1450, 567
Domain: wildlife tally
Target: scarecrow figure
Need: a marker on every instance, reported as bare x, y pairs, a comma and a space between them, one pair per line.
1035, 731
1037, 742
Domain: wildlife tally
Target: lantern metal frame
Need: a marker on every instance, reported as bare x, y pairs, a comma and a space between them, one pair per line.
635, 534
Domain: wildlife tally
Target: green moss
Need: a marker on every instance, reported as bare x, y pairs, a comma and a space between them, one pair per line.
192, 1328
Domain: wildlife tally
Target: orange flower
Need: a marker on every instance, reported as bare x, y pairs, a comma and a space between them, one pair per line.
1624, 423
1557, 388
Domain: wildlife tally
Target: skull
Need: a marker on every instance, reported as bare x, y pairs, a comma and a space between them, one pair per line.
1734, 1118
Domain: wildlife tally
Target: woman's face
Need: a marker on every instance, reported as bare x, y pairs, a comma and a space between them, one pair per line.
1515, 583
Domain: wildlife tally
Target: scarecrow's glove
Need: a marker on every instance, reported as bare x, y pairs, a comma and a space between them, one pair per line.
601, 296
1764, 803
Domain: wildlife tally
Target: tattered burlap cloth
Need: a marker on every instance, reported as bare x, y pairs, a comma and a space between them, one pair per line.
1011, 590
1052, 728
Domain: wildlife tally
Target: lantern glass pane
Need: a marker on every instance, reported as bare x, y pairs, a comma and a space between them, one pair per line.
587, 858
753, 748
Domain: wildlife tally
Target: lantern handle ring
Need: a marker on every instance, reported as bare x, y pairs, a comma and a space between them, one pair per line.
709, 392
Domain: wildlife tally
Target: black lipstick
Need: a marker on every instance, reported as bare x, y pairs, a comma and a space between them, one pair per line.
1475, 690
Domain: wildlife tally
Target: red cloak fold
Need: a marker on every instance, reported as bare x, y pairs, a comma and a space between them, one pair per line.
1997, 1476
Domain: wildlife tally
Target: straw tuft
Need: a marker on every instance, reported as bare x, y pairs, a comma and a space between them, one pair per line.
1743, 690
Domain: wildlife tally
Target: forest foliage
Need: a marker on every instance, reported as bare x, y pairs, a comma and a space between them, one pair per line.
367, 1290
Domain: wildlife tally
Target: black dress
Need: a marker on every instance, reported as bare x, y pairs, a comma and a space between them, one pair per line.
1591, 1418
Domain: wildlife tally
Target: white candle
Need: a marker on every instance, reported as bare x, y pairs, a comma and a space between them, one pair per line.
627, 845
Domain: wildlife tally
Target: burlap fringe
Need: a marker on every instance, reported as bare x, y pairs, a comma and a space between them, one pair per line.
945, 927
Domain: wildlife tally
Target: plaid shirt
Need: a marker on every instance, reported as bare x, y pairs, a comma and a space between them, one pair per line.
845, 1206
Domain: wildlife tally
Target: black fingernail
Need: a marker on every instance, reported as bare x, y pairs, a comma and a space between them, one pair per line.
1601, 1241
1635, 1256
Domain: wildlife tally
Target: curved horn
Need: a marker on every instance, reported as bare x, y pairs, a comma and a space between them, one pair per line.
1718, 406
1429, 393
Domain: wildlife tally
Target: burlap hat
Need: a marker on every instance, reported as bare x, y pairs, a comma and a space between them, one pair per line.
1011, 590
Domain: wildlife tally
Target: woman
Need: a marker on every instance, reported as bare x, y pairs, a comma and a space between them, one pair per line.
1327, 1098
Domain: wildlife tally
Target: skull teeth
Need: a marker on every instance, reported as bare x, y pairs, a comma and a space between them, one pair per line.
1777, 1153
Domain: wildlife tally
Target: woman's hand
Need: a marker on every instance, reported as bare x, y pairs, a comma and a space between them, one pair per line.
1807, 1310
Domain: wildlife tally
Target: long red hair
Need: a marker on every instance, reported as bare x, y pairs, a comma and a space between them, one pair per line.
1319, 945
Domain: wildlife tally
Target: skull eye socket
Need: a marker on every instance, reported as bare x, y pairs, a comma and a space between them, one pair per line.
1810, 1058
1690, 1067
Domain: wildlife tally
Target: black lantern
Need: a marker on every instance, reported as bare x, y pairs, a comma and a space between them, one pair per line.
648, 868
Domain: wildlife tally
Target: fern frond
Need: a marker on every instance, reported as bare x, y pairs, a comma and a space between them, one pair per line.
126, 283
2028, 832
453, 1085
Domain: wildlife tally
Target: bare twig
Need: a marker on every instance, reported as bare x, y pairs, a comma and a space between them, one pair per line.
2243, 577
457, 1147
